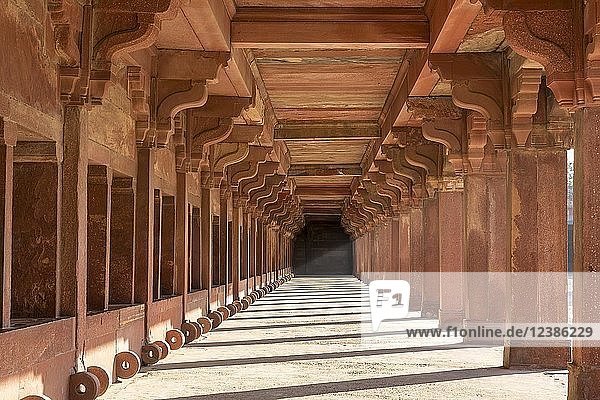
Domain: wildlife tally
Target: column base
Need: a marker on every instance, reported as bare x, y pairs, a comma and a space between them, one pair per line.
536, 357
415, 302
584, 382
476, 327
451, 318
430, 310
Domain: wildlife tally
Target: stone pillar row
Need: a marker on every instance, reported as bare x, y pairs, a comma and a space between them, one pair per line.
493, 206
81, 239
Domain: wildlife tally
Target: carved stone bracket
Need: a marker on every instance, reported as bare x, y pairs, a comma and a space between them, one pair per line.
181, 83
443, 123
550, 33
379, 196
212, 123
264, 169
138, 90
225, 154
548, 37
88, 37
477, 85
387, 189
271, 186
249, 167
401, 182
417, 175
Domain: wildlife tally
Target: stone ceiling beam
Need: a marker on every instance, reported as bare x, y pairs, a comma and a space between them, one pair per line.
322, 191
325, 170
308, 131
329, 28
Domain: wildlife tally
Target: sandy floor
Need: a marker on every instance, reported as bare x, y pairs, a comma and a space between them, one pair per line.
304, 341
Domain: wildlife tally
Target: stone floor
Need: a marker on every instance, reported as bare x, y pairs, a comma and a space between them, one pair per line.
305, 341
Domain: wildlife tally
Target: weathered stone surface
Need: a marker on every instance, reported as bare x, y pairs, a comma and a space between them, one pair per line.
122, 241
34, 240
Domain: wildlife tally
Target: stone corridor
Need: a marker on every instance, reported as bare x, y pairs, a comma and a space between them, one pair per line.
304, 341
168, 166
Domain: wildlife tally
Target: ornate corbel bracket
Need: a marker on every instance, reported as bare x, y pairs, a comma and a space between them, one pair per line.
181, 83
175, 100
249, 167
225, 154
477, 85
88, 37
213, 122
443, 123
66, 18
401, 167
549, 38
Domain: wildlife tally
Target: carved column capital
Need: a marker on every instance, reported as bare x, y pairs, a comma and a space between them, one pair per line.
525, 81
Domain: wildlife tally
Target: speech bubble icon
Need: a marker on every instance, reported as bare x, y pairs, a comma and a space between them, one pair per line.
388, 300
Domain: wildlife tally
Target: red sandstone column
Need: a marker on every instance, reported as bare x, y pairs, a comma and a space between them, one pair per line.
416, 258
270, 253
157, 245
371, 253
73, 222
355, 261
195, 249
235, 246
391, 247
182, 241
259, 251
144, 228
6, 204
382, 244
431, 258
374, 267
223, 234
363, 256
122, 241
486, 247
206, 234
584, 371
538, 190
404, 245
98, 230
252, 265
244, 250
451, 226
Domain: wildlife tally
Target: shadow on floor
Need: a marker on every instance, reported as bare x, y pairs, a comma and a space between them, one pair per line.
279, 308
316, 389
297, 339
304, 324
303, 357
296, 316
344, 304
